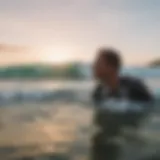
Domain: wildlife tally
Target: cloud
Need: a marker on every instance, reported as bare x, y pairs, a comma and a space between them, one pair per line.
7, 48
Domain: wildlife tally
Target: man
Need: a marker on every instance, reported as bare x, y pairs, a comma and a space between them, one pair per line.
119, 101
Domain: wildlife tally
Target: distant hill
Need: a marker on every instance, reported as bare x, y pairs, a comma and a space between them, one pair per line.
72, 70
155, 63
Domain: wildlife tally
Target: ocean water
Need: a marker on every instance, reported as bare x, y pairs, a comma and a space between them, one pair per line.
53, 120
48, 89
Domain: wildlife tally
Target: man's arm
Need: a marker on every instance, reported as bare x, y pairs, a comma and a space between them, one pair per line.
140, 92
96, 96
141, 95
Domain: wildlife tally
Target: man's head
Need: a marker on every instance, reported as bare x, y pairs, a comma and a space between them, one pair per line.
107, 64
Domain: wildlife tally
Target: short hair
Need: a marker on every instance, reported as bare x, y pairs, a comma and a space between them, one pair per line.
111, 56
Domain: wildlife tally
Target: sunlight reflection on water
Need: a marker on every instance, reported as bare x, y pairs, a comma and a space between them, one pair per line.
50, 127
56, 128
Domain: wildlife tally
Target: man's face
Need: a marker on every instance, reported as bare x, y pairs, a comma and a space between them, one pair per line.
102, 69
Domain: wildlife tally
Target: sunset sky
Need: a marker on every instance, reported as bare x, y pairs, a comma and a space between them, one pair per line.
58, 31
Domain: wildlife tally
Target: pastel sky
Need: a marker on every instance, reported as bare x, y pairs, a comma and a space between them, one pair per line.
68, 30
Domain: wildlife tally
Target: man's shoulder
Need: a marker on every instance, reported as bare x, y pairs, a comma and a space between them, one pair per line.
130, 80
138, 89
124, 80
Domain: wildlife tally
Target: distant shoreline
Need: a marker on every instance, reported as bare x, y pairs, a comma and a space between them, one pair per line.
43, 78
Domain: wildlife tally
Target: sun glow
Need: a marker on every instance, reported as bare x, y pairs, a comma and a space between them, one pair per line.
59, 55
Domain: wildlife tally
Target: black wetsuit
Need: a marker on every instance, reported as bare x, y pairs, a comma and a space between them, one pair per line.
130, 89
